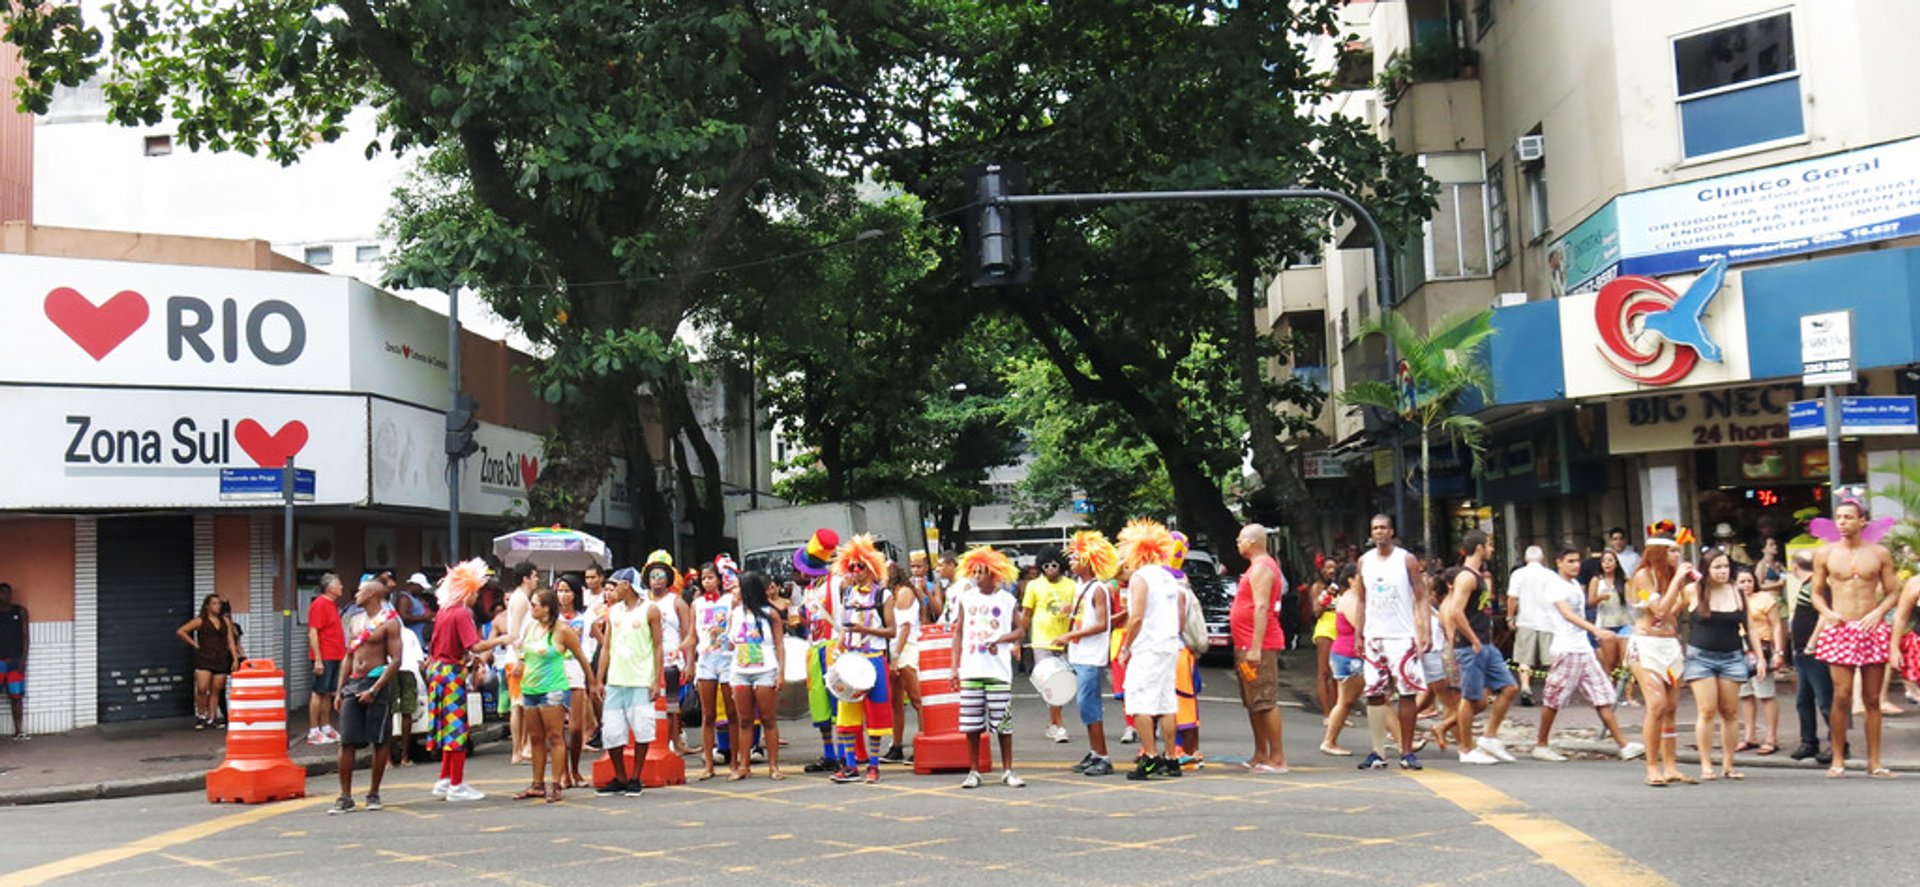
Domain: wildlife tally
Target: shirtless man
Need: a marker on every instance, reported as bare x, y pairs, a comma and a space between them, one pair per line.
1853, 588
366, 695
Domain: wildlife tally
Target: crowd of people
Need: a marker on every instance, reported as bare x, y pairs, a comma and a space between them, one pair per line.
583, 663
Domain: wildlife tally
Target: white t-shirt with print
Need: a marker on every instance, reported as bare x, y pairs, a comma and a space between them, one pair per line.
986, 617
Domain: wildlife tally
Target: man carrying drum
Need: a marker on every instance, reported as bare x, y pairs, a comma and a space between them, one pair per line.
865, 627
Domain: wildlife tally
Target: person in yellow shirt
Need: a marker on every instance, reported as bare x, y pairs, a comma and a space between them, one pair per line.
1048, 605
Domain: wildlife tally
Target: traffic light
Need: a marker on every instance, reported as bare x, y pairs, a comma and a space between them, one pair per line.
998, 238
462, 419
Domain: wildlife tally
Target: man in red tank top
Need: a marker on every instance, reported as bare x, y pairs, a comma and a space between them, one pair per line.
1257, 642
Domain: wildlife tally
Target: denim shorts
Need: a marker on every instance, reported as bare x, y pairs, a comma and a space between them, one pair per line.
558, 698
1483, 672
762, 679
1086, 692
1343, 666
1731, 665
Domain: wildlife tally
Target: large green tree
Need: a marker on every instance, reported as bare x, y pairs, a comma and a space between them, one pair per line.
1106, 97
590, 159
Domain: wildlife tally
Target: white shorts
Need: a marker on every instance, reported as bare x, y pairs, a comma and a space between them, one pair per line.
1149, 683
628, 717
714, 666
1392, 661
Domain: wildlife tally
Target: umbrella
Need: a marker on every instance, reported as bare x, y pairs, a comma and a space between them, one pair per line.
551, 549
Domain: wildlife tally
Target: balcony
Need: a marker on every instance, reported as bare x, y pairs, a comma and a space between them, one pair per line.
1438, 115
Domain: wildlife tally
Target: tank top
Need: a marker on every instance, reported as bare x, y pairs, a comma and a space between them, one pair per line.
861, 607
1611, 612
710, 621
751, 638
1093, 650
1479, 613
576, 673
1240, 613
1160, 624
669, 629
544, 673
1389, 594
1343, 636
1718, 631
907, 622
629, 646
213, 647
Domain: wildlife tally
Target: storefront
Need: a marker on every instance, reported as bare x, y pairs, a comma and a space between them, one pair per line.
130, 385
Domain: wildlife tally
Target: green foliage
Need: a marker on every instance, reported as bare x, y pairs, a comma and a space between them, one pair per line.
1904, 490
1080, 449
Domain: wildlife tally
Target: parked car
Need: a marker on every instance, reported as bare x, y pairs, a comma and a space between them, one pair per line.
1215, 591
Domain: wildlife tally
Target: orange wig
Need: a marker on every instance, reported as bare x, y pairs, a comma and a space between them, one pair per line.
1145, 542
1092, 548
861, 550
461, 582
997, 564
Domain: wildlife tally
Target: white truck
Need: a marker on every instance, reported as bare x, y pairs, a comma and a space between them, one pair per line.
769, 536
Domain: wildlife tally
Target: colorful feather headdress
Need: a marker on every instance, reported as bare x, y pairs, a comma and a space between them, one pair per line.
861, 550
462, 580
1664, 532
1092, 548
996, 564
1144, 542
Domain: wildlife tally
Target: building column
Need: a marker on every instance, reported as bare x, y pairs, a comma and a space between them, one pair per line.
86, 623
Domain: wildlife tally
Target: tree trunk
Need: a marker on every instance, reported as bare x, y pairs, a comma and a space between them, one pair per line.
573, 464
650, 511
705, 500
1204, 511
1282, 497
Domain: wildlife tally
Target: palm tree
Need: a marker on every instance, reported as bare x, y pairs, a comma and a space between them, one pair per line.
1442, 369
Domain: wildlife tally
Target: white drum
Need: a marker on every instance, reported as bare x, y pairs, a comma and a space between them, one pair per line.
1054, 679
850, 677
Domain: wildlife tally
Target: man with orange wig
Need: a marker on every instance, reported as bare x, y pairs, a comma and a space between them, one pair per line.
988, 626
1095, 561
455, 641
1152, 648
865, 627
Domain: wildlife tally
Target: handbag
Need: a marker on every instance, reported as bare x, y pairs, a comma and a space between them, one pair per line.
1193, 621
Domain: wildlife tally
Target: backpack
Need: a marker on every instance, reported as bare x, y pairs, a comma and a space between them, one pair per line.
1193, 621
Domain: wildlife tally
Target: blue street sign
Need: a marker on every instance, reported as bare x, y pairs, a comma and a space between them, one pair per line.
1858, 416
263, 485
1082, 506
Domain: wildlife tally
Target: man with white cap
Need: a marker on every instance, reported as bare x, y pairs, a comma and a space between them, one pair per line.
631, 671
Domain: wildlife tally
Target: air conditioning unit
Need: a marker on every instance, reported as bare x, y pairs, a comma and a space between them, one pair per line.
1509, 300
1530, 149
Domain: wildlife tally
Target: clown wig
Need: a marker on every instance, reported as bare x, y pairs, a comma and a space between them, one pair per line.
997, 564
1092, 548
461, 582
729, 571
1145, 542
1179, 558
860, 550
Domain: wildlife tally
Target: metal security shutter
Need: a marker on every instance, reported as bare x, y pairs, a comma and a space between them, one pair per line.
146, 591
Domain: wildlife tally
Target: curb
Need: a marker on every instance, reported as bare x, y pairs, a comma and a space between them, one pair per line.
1589, 748
188, 782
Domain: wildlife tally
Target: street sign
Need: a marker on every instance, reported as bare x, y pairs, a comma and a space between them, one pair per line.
1826, 349
1081, 505
263, 485
1858, 416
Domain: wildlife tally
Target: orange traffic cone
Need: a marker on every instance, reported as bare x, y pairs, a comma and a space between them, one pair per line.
257, 768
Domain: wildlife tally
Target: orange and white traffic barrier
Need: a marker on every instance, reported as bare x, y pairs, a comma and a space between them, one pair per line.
256, 768
662, 767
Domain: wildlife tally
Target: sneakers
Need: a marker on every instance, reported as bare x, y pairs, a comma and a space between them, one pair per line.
894, 756
1145, 768
340, 805
373, 801
315, 737
1497, 748
1130, 737
1546, 753
1011, 779
633, 788
873, 773
822, 764
845, 775
1099, 767
200, 723
1373, 761
1057, 733
613, 787
1804, 752
1526, 700
972, 780
464, 792
1196, 761
1085, 762
441, 786
1478, 756
1410, 761
1632, 750
1170, 767
593, 742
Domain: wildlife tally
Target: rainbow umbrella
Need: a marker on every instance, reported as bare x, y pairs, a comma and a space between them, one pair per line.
552, 549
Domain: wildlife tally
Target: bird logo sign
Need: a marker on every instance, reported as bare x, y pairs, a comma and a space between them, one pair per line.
1652, 335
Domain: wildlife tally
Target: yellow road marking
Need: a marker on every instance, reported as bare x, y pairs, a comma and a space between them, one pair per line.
1560, 845
74, 865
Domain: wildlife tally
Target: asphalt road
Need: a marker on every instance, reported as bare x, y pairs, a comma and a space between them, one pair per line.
1526, 824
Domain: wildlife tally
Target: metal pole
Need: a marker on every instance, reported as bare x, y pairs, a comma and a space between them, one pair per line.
286, 576
753, 429
1382, 263
1833, 447
453, 403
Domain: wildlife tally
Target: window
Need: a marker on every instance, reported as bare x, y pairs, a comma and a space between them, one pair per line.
365, 254
1738, 86
1533, 188
319, 255
1457, 234
1482, 17
1498, 236
157, 146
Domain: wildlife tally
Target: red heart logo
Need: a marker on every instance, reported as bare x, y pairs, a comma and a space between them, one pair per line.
406, 351
97, 329
529, 471
270, 450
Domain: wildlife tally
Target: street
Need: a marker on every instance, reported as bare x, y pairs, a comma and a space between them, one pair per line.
1586, 821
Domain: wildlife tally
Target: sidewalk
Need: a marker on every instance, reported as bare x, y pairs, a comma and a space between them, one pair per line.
144, 758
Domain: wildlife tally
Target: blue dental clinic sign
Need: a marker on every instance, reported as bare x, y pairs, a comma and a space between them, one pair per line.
1858, 416
1822, 203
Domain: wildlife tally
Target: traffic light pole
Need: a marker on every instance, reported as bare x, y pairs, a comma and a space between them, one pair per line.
1382, 267
453, 404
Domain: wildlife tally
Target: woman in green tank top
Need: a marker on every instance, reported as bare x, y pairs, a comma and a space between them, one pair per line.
544, 646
